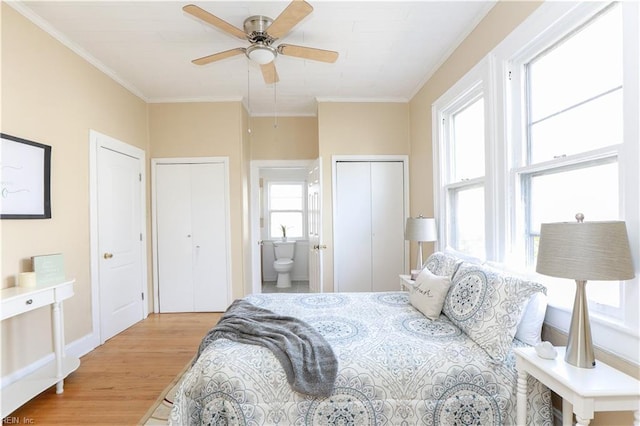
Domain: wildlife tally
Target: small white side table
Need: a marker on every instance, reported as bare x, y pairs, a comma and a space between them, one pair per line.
583, 390
406, 283
18, 300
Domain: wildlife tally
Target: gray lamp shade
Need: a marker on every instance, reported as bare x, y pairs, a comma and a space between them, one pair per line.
585, 251
421, 229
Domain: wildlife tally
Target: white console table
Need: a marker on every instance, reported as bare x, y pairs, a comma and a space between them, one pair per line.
18, 300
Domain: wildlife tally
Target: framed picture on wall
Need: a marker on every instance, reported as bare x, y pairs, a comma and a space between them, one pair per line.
25, 179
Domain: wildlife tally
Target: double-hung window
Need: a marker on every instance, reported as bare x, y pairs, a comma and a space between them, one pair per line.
462, 169
561, 104
286, 209
571, 136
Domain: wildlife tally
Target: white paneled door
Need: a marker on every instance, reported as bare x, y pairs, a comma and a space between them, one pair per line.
120, 236
192, 238
369, 225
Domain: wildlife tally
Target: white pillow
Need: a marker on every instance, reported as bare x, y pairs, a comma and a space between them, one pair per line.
530, 327
429, 293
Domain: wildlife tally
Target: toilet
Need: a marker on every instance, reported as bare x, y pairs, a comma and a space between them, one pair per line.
283, 264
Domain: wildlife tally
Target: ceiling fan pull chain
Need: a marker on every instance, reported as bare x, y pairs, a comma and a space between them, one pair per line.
249, 97
275, 105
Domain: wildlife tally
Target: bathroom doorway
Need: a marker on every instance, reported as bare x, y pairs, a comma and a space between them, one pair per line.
279, 211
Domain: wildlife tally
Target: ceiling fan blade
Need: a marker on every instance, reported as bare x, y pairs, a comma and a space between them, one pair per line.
308, 53
218, 56
269, 73
290, 16
207, 17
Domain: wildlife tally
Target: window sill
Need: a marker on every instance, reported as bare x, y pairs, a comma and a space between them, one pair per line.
610, 335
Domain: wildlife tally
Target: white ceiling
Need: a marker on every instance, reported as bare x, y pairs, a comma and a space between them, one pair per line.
387, 49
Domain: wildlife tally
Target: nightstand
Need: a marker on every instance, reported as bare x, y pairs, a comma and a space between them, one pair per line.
406, 283
583, 390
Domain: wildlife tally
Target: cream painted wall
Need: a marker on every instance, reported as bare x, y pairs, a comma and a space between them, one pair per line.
355, 129
52, 96
294, 138
206, 130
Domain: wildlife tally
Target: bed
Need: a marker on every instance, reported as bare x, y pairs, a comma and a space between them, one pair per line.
396, 366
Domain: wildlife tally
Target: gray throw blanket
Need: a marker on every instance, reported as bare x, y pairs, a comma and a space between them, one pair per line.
306, 357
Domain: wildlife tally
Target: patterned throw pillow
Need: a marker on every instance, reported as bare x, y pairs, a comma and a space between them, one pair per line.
442, 264
487, 305
428, 294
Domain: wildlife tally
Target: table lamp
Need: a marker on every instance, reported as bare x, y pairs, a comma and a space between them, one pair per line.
420, 229
584, 251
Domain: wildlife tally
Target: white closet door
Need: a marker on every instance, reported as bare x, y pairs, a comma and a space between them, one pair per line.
387, 222
209, 237
192, 242
173, 207
369, 225
353, 226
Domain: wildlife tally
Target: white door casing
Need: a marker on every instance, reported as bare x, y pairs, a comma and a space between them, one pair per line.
191, 234
118, 243
254, 210
314, 212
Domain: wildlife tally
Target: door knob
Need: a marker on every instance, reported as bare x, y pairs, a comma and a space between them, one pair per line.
108, 255
319, 247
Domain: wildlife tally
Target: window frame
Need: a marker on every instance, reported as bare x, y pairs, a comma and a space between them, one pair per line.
522, 168
473, 86
616, 329
269, 210
523, 174
503, 81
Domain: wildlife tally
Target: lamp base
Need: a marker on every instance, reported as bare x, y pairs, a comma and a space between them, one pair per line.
419, 257
579, 345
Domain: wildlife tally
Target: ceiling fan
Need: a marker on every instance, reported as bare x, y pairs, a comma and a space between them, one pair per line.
262, 32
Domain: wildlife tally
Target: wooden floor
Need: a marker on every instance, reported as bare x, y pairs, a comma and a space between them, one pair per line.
118, 381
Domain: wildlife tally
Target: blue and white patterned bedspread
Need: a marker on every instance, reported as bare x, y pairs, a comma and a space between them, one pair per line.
396, 367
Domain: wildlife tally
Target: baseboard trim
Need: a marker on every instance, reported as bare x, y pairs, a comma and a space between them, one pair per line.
77, 348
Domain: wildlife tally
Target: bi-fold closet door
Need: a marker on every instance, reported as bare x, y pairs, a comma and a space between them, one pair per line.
369, 225
192, 237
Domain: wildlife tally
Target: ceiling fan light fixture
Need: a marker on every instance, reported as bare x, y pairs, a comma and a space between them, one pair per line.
261, 54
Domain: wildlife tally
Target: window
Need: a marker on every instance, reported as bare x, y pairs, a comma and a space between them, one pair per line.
286, 209
575, 91
573, 128
562, 99
463, 142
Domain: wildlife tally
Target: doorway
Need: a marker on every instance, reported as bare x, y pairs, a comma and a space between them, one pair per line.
118, 229
279, 191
